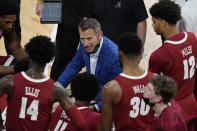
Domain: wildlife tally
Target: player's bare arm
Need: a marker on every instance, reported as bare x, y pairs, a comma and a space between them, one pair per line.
6, 84
13, 44
141, 30
6, 70
110, 96
60, 95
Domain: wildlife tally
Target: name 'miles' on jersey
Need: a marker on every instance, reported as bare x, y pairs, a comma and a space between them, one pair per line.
177, 58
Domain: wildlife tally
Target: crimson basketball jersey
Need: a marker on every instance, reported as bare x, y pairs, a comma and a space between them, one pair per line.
172, 118
61, 122
177, 58
29, 106
3, 108
132, 113
6, 60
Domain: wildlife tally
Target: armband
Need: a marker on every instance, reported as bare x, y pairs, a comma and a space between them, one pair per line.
40, 2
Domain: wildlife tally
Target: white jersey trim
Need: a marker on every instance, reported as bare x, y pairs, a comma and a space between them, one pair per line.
9, 60
135, 77
177, 42
34, 80
83, 107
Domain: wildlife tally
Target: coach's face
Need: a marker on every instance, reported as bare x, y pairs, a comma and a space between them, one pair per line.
90, 39
157, 25
6, 22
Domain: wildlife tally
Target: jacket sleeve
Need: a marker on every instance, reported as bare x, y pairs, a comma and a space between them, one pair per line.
72, 68
116, 69
115, 66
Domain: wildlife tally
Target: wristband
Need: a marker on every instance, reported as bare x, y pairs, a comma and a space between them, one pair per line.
96, 108
40, 2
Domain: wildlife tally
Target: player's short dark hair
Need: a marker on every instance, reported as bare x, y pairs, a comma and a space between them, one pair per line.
84, 86
8, 7
166, 10
40, 49
164, 86
130, 44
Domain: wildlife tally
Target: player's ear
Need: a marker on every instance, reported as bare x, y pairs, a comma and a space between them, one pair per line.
158, 99
119, 53
100, 34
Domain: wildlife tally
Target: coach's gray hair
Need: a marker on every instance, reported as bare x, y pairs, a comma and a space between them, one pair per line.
90, 23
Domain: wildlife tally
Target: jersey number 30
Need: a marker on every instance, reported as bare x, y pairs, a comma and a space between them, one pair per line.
31, 110
143, 109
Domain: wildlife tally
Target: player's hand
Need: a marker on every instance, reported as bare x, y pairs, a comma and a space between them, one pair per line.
91, 107
39, 9
55, 106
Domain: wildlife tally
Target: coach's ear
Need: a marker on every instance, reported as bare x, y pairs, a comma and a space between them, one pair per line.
21, 65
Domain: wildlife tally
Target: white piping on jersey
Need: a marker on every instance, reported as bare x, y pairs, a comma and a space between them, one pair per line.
135, 77
177, 42
34, 80
9, 60
83, 107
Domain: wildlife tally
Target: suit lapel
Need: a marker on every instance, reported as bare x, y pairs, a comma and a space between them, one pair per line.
101, 57
87, 59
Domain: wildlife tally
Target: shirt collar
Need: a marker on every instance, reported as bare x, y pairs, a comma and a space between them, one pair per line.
99, 49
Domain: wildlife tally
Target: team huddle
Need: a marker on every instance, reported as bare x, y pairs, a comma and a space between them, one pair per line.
114, 93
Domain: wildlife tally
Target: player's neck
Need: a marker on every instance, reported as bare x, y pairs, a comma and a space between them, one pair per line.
83, 103
36, 71
170, 32
132, 69
158, 108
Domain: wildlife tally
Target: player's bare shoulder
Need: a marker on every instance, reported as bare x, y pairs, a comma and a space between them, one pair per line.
7, 80
6, 84
111, 84
112, 89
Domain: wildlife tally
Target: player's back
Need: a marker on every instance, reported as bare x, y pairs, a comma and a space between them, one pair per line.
183, 51
60, 120
172, 118
131, 113
92, 118
29, 106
